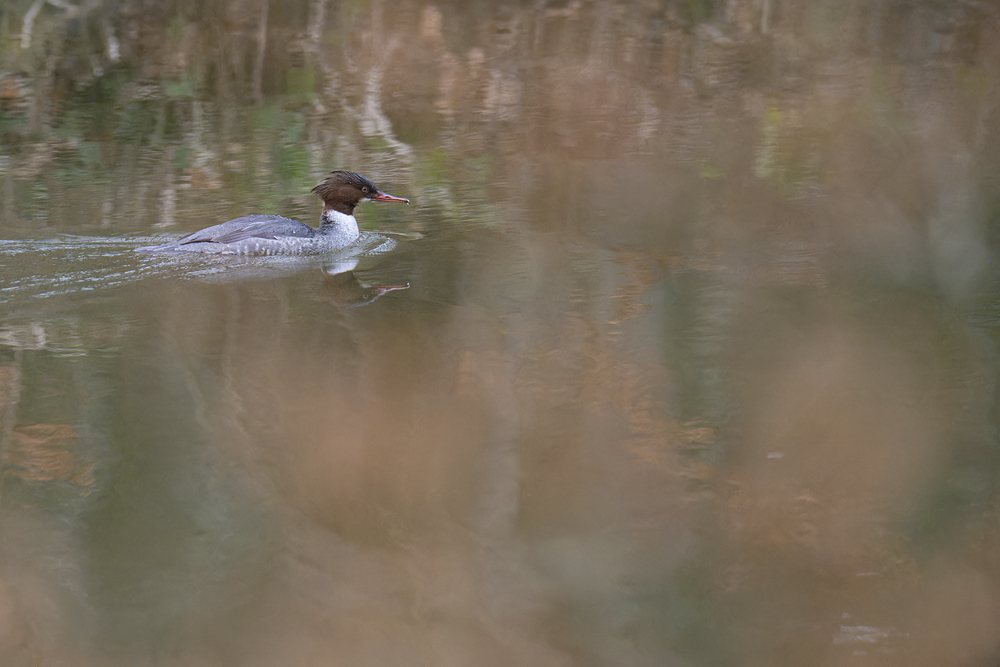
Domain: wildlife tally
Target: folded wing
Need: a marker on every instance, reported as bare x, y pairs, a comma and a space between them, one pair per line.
250, 227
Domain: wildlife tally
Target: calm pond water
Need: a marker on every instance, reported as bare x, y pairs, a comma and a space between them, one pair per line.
684, 353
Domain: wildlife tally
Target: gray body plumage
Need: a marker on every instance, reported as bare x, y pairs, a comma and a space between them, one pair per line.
268, 235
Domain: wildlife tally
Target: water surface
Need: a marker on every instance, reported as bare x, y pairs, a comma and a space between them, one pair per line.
685, 352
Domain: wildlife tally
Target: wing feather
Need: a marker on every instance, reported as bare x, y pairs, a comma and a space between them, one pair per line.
249, 227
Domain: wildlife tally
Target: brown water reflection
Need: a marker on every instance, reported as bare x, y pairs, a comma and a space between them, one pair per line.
696, 365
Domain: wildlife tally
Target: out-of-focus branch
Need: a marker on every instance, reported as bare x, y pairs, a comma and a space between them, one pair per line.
114, 47
28, 26
317, 19
29, 23
258, 65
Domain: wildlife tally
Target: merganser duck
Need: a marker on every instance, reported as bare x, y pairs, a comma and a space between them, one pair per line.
341, 191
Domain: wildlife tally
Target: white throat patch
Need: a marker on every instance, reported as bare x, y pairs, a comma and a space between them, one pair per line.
342, 228
338, 219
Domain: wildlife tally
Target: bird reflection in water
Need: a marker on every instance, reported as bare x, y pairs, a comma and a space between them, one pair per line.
342, 288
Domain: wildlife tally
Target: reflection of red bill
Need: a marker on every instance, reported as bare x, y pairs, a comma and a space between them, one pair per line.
381, 196
382, 289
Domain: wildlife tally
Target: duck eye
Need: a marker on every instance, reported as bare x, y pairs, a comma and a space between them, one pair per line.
365, 189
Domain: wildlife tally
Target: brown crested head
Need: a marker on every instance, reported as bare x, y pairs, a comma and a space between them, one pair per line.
343, 190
